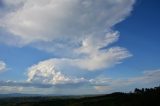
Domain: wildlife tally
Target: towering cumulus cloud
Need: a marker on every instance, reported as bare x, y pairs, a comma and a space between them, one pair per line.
79, 31
46, 73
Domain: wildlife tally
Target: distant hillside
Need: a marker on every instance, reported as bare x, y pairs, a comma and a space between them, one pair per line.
140, 97
18, 95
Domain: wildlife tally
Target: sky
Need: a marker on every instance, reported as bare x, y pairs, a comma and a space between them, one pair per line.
76, 47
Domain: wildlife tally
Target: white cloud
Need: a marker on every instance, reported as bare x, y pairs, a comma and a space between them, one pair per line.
91, 55
46, 72
48, 20
79, 31
93, 58
76, 29
2, 66
93, 44
103, 59
50, 71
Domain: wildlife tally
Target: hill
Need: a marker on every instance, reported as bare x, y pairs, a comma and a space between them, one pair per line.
140, 97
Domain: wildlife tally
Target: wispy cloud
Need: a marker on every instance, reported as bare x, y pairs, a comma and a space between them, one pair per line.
147, 78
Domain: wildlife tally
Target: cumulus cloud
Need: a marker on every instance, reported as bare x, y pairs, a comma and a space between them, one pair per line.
45, 72
2, 66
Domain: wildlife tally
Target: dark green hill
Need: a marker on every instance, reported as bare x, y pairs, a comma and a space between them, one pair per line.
141, 97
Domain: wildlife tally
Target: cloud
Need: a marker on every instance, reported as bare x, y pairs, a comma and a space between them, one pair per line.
105, 59
50, 71
91, 57
96, 85
79, 32
46, 72
70, 29
2, 66
50, 20
146, 79
151, 76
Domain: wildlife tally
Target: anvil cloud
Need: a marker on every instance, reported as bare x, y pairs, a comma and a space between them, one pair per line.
79, 31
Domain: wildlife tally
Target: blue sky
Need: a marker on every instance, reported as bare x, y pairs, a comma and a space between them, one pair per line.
78, 47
